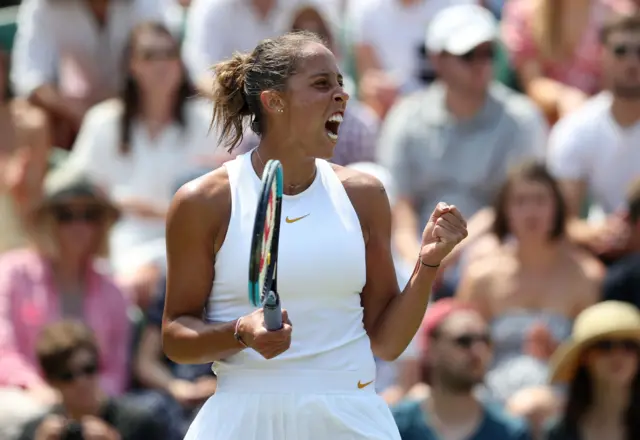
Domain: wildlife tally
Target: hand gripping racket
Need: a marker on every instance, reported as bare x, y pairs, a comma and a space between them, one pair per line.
263, 261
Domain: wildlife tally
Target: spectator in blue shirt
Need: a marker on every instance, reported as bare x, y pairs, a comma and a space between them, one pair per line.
457, 351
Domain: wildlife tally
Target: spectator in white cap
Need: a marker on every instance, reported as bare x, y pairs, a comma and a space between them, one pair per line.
457, 138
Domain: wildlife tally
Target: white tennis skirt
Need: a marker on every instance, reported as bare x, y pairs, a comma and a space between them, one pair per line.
294, 405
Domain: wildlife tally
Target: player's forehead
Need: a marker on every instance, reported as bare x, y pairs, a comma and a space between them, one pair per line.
317, 60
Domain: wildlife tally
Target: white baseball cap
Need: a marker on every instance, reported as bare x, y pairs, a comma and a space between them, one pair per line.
461, 28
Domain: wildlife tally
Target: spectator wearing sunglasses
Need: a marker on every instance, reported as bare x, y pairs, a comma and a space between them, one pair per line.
456, 139
60, 277
600, 365
68, 357
456, 352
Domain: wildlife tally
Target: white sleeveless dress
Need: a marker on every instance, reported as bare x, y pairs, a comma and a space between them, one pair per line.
322, 388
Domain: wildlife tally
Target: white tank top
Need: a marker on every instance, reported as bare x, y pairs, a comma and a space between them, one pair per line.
321, 273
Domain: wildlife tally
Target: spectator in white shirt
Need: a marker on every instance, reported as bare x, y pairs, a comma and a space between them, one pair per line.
215, 29
139, 146
68, 54
594, 152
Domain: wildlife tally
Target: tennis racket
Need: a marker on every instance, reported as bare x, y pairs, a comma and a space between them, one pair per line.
263, 290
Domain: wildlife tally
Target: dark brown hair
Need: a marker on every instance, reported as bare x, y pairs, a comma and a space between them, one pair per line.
130, 95
529, 171
619, 23
580, 399
241, 79
58, 342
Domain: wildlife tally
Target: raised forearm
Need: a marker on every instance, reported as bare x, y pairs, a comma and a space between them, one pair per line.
403, 315
188, 340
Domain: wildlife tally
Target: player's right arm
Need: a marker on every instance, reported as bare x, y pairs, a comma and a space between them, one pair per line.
196, 227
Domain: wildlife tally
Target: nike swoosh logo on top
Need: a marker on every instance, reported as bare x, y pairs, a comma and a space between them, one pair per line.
364, 385
293, 220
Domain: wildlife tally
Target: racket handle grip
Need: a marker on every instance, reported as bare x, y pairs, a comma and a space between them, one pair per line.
272, 312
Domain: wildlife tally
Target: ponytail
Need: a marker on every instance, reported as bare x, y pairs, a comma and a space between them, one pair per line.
230, 104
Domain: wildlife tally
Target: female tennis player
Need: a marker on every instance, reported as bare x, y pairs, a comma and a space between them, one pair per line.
313, 379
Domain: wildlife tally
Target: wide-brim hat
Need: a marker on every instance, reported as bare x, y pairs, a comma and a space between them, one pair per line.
605, 320
66, 183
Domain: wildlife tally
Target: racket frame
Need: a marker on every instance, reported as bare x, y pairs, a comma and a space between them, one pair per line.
267, 296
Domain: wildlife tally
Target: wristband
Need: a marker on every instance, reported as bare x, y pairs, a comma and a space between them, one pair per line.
427, 265
237, 336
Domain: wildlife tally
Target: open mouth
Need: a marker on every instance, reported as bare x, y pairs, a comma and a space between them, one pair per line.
333, 125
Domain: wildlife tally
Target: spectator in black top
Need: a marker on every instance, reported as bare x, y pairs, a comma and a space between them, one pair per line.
68, 356
623, 279
165, 381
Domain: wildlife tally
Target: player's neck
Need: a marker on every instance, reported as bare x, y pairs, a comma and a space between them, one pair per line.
298, 171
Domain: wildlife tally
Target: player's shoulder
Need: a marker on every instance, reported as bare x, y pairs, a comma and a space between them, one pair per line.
206, 194
359, 184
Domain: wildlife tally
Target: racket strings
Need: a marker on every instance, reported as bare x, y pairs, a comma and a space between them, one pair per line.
267, 241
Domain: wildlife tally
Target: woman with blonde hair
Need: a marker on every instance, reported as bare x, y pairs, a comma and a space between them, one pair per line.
600, 365
59, 277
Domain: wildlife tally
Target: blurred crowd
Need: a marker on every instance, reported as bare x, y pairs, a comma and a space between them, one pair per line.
525, 114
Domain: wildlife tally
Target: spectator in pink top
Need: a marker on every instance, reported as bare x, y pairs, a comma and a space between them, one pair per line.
58, 278
555, 50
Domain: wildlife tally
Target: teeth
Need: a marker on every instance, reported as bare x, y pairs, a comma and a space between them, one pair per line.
333, 137
336, 117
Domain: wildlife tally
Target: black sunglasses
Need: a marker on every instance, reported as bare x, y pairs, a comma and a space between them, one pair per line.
469, 340
609, 345
625, 50
68, 376
67, 215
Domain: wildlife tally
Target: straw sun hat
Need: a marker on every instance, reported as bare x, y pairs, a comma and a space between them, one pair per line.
608, 319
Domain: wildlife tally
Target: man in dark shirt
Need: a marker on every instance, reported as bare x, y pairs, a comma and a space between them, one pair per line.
457, 352
622, 282
68, 356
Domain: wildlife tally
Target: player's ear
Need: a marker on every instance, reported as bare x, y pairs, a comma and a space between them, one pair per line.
272, 102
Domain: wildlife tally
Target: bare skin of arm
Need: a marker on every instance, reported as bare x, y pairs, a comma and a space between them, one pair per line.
554, 98
47, 97
196, 226
148, 366
391, 318
606, 239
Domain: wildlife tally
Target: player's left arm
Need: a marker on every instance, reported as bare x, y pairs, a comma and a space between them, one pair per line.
391, 316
